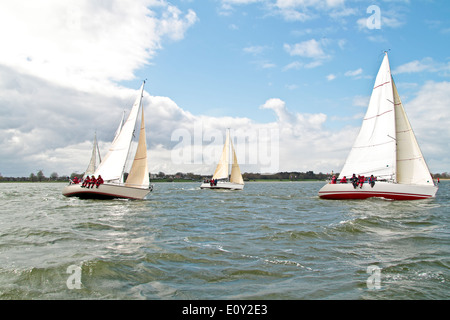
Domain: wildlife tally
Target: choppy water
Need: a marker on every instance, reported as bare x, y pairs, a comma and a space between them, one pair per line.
269, 241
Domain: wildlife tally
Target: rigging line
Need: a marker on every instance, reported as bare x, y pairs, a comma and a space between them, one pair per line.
99, 156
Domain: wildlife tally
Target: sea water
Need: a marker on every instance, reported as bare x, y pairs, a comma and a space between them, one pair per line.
274, 240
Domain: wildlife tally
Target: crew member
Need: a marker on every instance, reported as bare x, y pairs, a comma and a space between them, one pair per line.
372, 180
354, 181
361, 181
99, 181
92, 182
86, 182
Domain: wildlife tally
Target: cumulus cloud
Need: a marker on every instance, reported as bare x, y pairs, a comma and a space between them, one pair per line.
309, 49
303, 10
55, 134
331, 77
59, 87
75, 44
293, 10
430, 119
52, 128
309, 3
227, 6
354, 73
60, 66
426, 64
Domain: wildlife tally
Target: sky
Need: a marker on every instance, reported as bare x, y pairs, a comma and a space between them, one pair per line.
290, 78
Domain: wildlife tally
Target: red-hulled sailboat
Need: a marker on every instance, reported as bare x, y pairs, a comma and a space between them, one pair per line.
386, 148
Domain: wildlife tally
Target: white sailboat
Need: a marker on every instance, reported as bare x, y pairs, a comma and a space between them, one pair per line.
221, 178
386, 148
94, 157
112, 168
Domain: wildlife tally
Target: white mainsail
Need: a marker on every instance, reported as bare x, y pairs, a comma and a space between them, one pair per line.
112, 167
119, 128
386, 145
374, 149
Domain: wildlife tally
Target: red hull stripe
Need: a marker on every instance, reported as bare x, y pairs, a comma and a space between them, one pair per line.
365, 195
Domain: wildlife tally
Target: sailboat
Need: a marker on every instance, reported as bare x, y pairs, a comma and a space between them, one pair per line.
221, 178
112, 168
95, 155
386, 150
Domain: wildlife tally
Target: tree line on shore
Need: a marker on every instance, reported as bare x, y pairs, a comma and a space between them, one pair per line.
161, 176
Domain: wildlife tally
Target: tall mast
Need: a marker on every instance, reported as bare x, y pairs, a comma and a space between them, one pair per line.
230, 149
98, 150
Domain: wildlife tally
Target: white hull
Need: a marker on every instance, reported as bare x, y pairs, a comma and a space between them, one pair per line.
386, 190
223, 185
105, 191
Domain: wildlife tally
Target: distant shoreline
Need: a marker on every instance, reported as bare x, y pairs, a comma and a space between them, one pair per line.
187, 180
183, 180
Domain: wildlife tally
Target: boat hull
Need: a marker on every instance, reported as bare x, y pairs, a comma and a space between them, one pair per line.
105, 191
387, 190
222, 185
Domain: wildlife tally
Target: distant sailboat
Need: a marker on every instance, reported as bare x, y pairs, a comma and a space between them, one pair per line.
93, 164
222, 178
112, 168
386, 148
